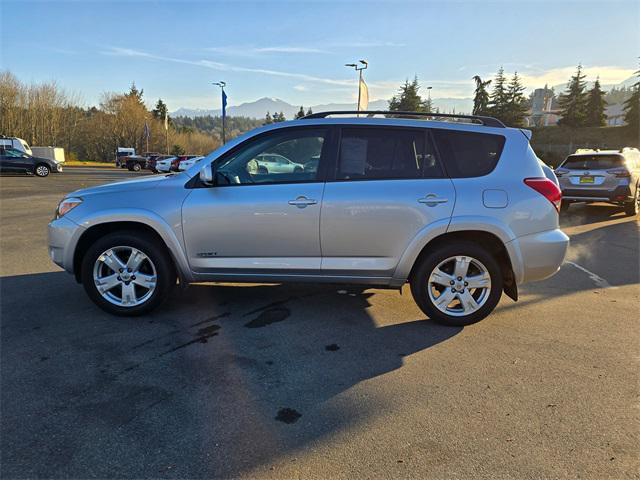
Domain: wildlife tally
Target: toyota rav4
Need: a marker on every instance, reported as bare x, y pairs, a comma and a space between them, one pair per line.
459, 207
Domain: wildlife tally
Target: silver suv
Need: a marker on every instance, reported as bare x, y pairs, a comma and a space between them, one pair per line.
602, 176
458, 207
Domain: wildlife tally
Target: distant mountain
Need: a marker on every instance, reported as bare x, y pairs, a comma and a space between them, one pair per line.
628, 83
260, 107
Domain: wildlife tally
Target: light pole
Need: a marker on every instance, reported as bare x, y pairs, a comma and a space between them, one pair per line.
359, 69
222, 84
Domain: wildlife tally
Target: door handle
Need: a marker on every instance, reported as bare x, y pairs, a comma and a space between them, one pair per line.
432, 200
302, 202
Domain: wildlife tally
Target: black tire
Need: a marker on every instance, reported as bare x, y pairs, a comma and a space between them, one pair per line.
564, 206
136, 167
42, 170
632, 208
165, 271
422, 271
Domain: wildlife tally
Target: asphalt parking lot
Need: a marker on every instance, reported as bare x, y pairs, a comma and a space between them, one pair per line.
300, 381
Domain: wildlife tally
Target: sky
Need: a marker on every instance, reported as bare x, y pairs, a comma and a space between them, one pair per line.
296, 50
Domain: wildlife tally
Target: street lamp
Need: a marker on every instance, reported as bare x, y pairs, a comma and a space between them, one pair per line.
222, 84
359, 69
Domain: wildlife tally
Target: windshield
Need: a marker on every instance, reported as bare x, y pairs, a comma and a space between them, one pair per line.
593, 162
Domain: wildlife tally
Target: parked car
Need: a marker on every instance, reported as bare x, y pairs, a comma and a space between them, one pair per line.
151, 162
188, 163
461, 211
175, 164
121, 154
164, 165
611, 176
277, 164
16, 161
16, 144
135, 163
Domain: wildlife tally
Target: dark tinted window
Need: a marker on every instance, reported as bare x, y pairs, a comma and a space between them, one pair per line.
377, 153
593, 162
468, 154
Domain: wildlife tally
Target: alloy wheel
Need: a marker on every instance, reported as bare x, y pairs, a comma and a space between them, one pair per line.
125, 276
42, 171
459, 286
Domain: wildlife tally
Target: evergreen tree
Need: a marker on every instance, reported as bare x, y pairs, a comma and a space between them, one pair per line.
268, 119
160, 111
481, 97
135, 93
573, 103
300, 113
595, 116
279, 117
516, 110
632, 106
499, 98
408, 99
309, 112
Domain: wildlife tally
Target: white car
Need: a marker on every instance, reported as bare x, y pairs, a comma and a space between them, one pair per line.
185, 164
274, 163
164, 165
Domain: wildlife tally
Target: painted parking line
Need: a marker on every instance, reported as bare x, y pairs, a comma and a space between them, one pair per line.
597, 279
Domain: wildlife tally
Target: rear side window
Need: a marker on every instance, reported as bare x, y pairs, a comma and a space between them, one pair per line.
468, 154
593, 162
379, 153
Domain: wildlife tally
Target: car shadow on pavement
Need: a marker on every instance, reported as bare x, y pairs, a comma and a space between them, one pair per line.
218, 381
584, 214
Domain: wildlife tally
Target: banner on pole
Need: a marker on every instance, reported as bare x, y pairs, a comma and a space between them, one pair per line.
363, 95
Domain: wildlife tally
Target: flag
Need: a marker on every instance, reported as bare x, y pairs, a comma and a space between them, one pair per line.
224, 104
363, 96
166, 120
147, 132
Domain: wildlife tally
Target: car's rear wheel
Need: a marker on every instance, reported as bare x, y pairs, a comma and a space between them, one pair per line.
42, 170
457, 284
127, 274
136, 167
564, 206
633, 207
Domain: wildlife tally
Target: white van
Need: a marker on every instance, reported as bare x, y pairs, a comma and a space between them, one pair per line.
15, 143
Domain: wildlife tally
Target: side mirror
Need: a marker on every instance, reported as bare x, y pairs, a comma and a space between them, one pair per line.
208, 174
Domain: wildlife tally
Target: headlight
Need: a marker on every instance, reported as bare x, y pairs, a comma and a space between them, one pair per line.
66, 205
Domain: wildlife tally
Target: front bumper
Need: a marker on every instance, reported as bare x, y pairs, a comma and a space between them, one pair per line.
537, 256
63, 235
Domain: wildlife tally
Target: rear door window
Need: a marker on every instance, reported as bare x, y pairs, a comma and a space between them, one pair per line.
468, 154
385, 153
593, 162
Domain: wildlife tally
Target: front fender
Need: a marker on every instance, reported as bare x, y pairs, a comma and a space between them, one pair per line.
146, 217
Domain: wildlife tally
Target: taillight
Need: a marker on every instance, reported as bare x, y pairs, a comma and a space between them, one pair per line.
620, 172
561, 171
547, 189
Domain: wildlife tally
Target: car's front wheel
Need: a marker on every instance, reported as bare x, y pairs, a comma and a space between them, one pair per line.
127, 274
457, 284
136, 167
42, 170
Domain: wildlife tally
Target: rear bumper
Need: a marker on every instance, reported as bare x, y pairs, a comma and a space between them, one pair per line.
621, 193
537, 256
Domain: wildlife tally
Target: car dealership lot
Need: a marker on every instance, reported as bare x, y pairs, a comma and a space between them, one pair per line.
283, 381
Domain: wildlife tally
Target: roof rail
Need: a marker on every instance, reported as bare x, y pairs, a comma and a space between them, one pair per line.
481, 120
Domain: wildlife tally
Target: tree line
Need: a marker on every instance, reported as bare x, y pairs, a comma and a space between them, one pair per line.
44, 114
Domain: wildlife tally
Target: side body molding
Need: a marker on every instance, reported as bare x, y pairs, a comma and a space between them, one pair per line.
171, 235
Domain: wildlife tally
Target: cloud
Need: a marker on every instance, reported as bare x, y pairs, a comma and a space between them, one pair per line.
326, 48
560, 76
300, 88
225, 67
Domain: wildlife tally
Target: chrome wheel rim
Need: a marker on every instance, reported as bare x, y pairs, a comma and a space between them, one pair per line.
125, 276
42, 171
459, 286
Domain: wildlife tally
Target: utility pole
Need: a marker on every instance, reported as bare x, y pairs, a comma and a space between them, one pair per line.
359, 69
222, 84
